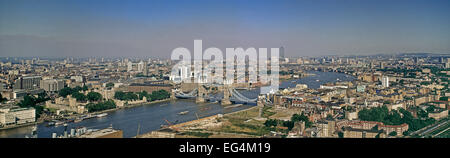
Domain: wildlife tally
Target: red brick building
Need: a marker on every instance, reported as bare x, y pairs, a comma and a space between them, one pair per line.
149, 87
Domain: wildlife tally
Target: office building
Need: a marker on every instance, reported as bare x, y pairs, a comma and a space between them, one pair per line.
28, 82
9, 116
52, 85
385, 81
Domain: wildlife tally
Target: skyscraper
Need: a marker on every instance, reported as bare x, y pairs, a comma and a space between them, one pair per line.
385, 81
140, 66
129, 66
145, 69
447, 65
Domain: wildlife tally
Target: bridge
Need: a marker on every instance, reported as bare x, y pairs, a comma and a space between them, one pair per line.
230, 95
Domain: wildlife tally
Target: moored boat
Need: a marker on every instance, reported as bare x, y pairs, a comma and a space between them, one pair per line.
183, 112
78, 120
50, 124
59, 123
102, 115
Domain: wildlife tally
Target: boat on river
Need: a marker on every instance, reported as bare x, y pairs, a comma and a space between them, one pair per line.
58, 123
233, 106
183, 113
102, 115
50, 124
78, 120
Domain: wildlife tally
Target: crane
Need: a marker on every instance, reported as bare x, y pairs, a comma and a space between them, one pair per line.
169, 124
197, 116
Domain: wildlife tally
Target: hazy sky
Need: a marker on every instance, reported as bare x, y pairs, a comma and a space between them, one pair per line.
156, 27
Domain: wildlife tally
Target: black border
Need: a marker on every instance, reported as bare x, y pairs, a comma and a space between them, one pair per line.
169, 147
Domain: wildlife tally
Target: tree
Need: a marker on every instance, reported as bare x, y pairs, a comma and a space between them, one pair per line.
94, 96
131, 96
443, 99
422, 114
125, 96
85, 88
93, 107
110, 84
31, 101
288, 124
340, 135
143, 94
270, 123
77, 89
119, 95
2, 99
393, 118
27, 101
65, 91
329, 117
159, 95
405, 133
430, 109
69, 91
375, 128
374, 114
382, 114
302, 117
79, 96
393, 133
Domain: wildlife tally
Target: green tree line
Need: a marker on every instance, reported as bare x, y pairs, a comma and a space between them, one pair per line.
394, 117
100, 106
289, 124
155, 95
69, 91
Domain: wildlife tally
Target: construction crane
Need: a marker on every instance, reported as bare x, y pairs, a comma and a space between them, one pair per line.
139, 127
169, 125
168, 122
197, 116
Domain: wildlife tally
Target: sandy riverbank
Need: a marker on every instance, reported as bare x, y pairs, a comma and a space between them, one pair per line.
181, 125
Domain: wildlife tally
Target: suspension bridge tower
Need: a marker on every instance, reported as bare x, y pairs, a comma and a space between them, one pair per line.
202, 93
226, 96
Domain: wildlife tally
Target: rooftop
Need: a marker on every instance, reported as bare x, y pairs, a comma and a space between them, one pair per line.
98, 133
150, 84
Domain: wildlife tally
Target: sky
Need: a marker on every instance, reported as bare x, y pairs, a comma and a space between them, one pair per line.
153, 28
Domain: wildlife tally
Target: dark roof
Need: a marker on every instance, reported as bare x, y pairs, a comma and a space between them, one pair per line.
362, 130
150, 84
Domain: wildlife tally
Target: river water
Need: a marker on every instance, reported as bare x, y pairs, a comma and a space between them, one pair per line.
150, 117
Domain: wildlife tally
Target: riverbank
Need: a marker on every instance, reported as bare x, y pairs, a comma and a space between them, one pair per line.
139, 119
21, 125
180, 125
115, 109
184, 127
92, 113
